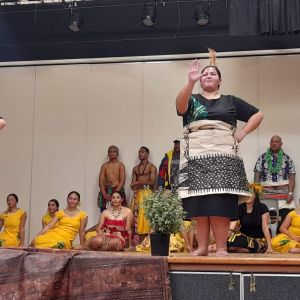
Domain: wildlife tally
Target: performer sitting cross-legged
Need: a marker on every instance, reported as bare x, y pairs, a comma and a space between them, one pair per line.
251, 232
113, 232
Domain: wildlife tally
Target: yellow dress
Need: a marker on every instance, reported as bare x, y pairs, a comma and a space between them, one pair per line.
46, 219
89, 235
63, 234
283, 243
11, 223
140, 222
176, 244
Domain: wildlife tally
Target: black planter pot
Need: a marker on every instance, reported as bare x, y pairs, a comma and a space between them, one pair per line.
159, 244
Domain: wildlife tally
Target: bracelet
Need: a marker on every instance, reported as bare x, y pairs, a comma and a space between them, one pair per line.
291, 193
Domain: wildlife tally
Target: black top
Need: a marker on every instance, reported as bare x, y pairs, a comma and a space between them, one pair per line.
227, 108
251, 223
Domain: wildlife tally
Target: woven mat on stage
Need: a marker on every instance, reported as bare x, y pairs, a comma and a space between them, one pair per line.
59, 274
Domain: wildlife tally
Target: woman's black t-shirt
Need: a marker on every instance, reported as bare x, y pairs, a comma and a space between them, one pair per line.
251, 223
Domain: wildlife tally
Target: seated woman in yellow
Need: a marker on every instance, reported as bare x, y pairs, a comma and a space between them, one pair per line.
13, 220
289, 238
64, 227
53, 207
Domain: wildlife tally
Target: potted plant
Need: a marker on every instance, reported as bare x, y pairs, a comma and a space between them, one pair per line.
164, 212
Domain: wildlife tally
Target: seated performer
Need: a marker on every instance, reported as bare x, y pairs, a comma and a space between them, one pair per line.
64, 227
114, 229
53, 207
289, 238
13, 220
2, 123
253, 234
111, 178
143, 180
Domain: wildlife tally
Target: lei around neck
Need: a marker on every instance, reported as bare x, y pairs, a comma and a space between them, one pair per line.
269, 159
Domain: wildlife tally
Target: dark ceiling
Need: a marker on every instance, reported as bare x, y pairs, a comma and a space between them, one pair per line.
113, 28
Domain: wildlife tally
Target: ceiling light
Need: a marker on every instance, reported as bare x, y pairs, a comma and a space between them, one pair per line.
149, 14
75, 17
201, 13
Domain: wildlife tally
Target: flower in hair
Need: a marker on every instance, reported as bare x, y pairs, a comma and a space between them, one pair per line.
256, 188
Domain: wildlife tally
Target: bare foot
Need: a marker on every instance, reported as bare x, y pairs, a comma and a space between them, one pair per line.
294, 250
187, 249
221, 252
79, 247
212, 248
199, 252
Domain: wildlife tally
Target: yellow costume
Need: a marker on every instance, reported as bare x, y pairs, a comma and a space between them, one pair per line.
283, 243
63, 234
46, 219
89, 235
11, 223
176, 244
140, 222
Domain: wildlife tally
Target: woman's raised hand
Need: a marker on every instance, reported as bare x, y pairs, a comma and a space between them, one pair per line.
194, 71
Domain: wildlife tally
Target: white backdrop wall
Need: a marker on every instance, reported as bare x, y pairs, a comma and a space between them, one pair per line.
61, 120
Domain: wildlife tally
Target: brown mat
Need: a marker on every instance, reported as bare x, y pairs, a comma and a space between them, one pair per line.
59, 274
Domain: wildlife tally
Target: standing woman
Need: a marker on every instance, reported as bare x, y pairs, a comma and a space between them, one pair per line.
53, 207
13, 220
212, 175
69, 222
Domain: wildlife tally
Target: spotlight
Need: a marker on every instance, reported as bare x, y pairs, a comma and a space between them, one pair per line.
75, 18
201, 14
149, 14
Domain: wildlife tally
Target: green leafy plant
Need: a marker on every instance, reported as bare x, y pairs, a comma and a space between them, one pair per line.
164, 212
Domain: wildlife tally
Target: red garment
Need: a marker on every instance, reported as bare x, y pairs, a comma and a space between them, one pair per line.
111, 227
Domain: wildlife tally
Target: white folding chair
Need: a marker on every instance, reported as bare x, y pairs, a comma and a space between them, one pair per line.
273, 205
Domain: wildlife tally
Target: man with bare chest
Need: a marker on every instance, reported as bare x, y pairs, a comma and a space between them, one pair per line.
111, 178
143, 180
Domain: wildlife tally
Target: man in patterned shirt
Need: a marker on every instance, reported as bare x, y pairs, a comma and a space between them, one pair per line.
168, 173
276, 172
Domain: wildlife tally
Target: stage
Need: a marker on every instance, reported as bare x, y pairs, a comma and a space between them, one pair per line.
58, 274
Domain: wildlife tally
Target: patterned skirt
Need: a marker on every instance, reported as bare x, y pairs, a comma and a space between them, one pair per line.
254, 245
210, 168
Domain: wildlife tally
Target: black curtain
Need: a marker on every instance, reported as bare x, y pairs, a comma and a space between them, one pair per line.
243, 17
266, 17
293, 15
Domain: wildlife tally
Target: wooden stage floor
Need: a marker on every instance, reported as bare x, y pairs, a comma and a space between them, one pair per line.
234, 262
61, 274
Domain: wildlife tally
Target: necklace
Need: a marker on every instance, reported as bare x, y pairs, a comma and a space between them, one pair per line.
117, 215
142, 173
269, 159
